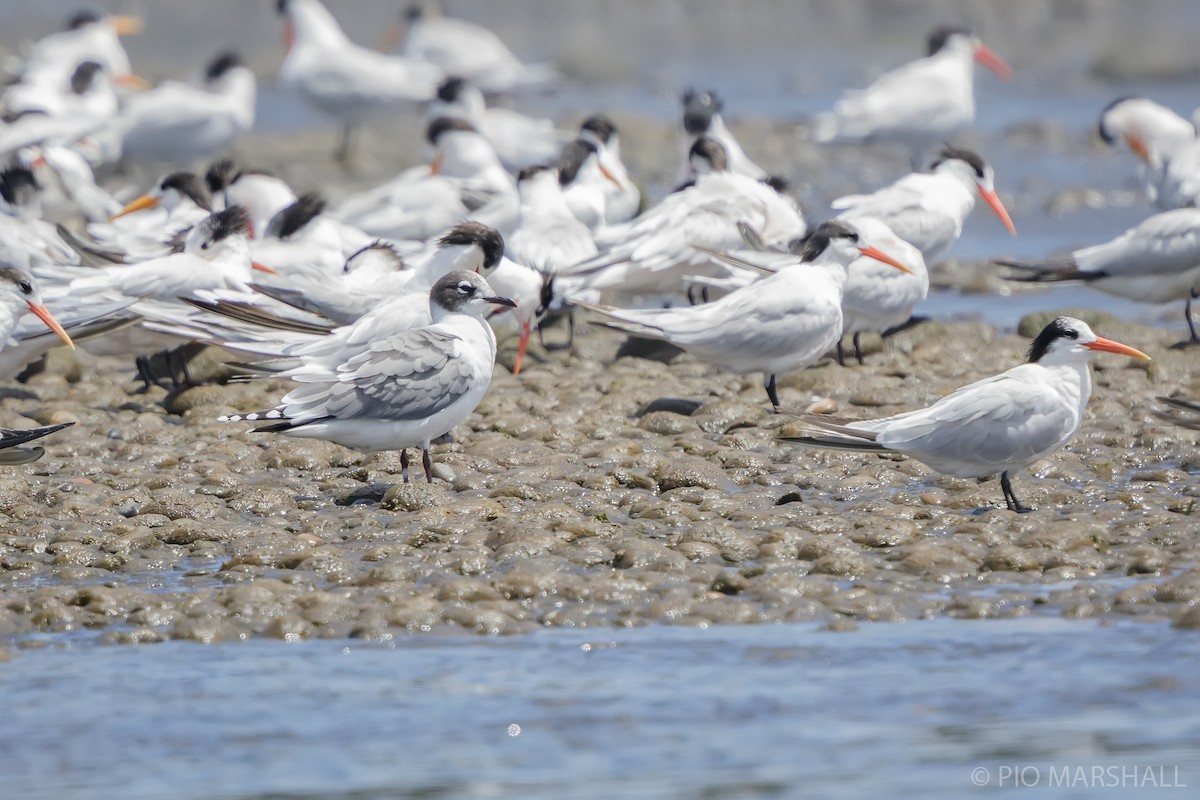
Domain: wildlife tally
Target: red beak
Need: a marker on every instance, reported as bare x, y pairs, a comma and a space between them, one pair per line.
985, 56
263, 268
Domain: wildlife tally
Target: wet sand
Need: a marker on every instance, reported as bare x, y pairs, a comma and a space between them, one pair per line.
594, 490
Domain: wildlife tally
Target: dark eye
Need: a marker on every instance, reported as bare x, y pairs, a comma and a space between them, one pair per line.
25, 287
204, 246
466, 289
1071, 333
853, 237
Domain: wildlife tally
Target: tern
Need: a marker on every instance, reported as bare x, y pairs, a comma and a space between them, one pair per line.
1156, 261
994, 426
920, 103
519, 140
702, 117
405, 390
1164, 142
587, 182
19, 295
465, 178
178, 123
341, 79
654, 251
547, 239
12, 454
465, 49
781, 323
623, 198
928, 209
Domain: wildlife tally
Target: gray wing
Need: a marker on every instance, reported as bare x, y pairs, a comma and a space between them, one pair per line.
409, 376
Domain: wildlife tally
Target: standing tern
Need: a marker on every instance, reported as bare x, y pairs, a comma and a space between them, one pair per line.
928, 209
994, 426
405, 390
463, 48
781, 323
341, 79
587, 182
920, 103
1156, 261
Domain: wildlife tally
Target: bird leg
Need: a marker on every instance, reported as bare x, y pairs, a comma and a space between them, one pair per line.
522, 345
404, 464
769, 383
1191, 323
858, 348
1010, 497
841, 354
427, 462
345, 144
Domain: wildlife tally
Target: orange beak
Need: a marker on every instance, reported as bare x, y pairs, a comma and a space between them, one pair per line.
126, 25
131, 81
1109, 346
43, 313
993, 201
1138, 146
392, 37
604, 171
263, 268
289, 36
143, 202
985, 56
436, 167
879, 255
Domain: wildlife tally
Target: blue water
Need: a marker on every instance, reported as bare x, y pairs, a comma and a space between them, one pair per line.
728, 712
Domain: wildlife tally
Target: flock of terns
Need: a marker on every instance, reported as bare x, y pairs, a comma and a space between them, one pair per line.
381, 308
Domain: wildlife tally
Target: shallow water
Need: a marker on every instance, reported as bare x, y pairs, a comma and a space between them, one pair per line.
731, 711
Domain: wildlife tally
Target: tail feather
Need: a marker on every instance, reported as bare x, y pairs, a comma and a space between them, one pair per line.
12, 438
21, 455
1181, 404
1049, 270
832, 433
91, 253
246, 312
834, 443
613, 320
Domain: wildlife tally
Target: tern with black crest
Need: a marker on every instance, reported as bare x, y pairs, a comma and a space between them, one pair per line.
995, 426
782, 323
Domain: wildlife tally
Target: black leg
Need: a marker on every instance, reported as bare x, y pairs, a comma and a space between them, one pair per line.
771, 393
858, 348
570, 328
345, 144
691, 295
1010, 497
143, 370
404, 465
704, 293
427, 462
1187, 313
841, 354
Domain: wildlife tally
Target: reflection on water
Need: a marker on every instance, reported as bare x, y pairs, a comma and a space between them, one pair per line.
733, 711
